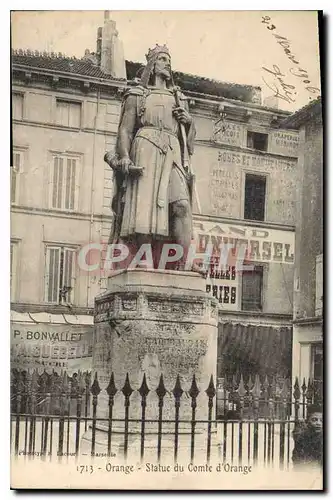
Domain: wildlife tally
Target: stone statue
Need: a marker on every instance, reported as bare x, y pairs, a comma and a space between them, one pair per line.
152, 177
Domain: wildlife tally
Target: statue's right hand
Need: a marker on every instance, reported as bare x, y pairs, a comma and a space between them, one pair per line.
124, 164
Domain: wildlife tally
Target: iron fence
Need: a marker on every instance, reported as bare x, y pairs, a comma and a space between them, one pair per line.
250, 421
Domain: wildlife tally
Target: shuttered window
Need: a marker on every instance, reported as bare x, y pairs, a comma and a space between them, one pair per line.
255, 192
17, 106
252, 282
15, 170
65, 174
68, 113
60, 275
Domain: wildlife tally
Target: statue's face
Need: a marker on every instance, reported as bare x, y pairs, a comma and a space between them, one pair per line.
163, 66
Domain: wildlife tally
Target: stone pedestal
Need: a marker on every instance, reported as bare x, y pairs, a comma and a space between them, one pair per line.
153, 323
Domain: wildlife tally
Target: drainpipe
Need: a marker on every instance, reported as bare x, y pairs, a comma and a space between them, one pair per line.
91, 222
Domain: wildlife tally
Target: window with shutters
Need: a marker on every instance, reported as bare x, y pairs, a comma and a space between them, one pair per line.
255, 194
13, 269
252, 286
64, 191
68, 113
17, 106
60, 275
15, 170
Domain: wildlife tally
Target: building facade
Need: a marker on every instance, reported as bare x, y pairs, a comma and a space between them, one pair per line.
65, 114
308, 284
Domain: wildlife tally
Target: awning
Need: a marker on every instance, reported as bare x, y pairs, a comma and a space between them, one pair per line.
44, 317
251, 349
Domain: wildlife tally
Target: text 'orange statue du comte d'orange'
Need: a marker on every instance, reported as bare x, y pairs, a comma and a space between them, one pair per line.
153, 182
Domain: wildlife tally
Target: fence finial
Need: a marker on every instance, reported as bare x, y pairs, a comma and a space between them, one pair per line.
177, 390
297, 392
161, 390
241, 388
111, 388
256, 388
303, 386
250, 384
81, 383
194, 391
144, 389
210, 391
95, 388
310, 391
127, 389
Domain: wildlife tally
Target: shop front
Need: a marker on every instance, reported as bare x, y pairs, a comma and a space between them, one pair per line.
308, 354
254, 349
252, 357
51, 342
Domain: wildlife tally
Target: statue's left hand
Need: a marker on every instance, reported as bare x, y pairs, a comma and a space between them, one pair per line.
109, 158
182, 116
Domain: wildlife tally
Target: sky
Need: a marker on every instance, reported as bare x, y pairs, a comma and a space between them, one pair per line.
230, 46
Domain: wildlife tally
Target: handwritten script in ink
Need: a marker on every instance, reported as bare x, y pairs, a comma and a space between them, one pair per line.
279, 82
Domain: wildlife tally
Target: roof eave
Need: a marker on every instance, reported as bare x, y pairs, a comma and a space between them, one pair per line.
303, 115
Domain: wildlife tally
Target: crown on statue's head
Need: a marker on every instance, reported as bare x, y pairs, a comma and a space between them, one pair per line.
158, 49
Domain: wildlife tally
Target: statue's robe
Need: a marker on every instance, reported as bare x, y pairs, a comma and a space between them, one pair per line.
144, 200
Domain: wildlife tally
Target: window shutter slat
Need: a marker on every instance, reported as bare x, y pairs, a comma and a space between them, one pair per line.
60, 182
55, 182
50, 263
13, 182
74, 114
17, 161
68, 181
11, 264
64, 189
17, 106
68, 274
252, 289
72, 192
53, 265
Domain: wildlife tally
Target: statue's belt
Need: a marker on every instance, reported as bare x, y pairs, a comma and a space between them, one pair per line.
162, 139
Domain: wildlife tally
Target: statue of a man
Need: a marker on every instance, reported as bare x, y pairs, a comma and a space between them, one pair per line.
152, 198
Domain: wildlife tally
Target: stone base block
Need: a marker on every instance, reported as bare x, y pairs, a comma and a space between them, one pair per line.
150, 447
148, 324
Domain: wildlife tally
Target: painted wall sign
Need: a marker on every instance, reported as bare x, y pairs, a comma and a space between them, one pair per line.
284, 142
228, 133
255, 161
220, 182
51, 346
224, 286
250, 243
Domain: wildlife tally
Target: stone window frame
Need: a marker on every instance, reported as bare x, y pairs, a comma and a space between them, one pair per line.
74, 188
21, 95
60, 281
15, 244
257, 173
68, 102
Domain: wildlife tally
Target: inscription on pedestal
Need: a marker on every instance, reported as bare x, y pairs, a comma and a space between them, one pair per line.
170, 355
129, 304
176, 307
103, 307
170, 346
